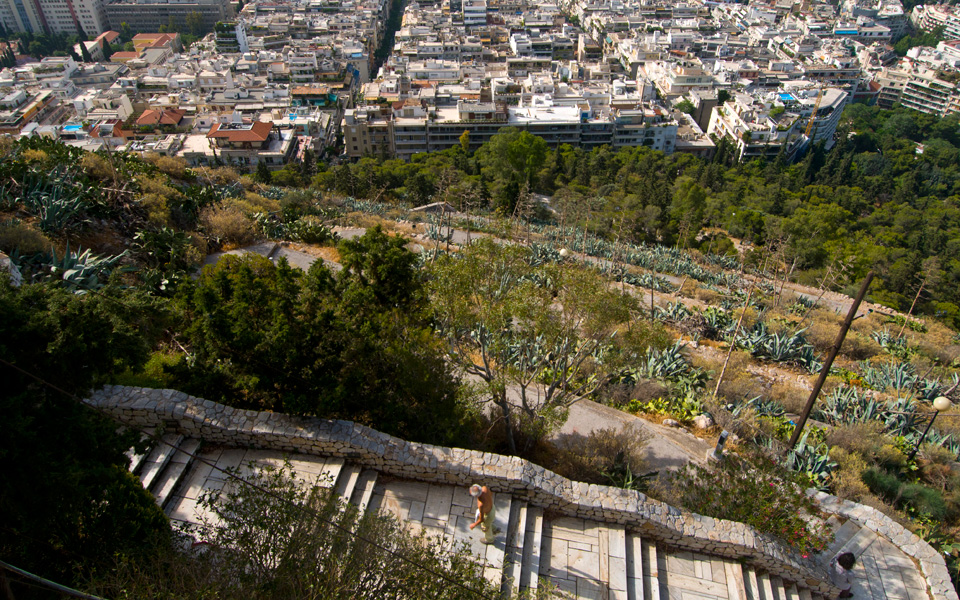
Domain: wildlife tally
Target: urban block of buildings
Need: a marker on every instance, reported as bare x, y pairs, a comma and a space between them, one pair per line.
274, 80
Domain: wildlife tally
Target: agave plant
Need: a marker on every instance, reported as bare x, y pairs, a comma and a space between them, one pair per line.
891, 343
668, 364
673, 312
764, 407
848, 406
78, 271
944, 440
901, 418
541, 254
898, 376
813, 461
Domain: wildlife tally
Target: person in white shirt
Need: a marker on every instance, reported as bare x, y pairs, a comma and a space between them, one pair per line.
840, 568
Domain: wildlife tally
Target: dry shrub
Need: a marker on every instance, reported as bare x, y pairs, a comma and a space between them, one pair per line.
938, 342
219, 175
98, 167
17, 235
158, 212
31, 156
822, 329
588, 457
746, 425
847, 482
740, 386
198, 242
707, 296
865, 439
688, 287
174, 166
790, 396
228, 224
620, 395
254, 203
866, 325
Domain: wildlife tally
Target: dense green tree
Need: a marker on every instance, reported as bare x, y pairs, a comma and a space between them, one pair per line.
69, 503
353, 345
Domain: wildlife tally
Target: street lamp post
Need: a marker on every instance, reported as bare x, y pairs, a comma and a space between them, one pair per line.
940, 404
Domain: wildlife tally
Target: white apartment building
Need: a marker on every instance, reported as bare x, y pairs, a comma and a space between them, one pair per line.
474, 13
747, 122
932, 16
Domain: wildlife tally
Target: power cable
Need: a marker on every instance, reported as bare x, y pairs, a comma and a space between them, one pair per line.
253, 485
46, 583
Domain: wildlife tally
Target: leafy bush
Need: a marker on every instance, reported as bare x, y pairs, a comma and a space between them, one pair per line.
683, 408
753, 490
915, 498
296, 541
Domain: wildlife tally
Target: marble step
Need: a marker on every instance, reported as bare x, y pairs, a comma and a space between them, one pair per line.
643, 579
841, 536
859, 542
736, 586
652, 590
158, 458
792, 593
766, 587
613, 560
532, 541
779, 589
363, 491
513, 559
136, 460
347, 481
177, 468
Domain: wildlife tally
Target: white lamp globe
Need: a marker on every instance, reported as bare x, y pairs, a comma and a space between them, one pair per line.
942, 403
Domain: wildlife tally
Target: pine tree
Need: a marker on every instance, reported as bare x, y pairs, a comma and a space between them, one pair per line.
263, 173
107, 49
84, 53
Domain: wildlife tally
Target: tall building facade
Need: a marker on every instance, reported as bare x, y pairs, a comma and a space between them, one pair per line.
149, 15
54, 16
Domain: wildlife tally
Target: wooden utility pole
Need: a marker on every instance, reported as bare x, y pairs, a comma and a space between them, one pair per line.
829, 361
733, 343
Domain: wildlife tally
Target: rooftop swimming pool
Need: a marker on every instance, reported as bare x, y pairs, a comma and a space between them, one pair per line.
784, 97
72, 127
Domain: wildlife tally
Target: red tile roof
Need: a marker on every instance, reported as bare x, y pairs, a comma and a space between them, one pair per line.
171, 116
258, 132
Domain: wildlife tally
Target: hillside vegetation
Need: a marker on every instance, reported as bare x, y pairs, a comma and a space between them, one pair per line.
631, 278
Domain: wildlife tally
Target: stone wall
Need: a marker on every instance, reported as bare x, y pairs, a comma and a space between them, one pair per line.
212, 422
932, 564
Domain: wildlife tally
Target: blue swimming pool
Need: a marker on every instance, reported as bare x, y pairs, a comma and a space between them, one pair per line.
784, 97
72, 127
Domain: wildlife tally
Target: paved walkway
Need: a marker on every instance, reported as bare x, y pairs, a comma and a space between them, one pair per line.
579, 558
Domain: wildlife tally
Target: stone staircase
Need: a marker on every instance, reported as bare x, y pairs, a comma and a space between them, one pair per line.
576, 557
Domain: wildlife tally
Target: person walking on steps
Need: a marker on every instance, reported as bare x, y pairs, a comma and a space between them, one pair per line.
840, 568
486, 510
